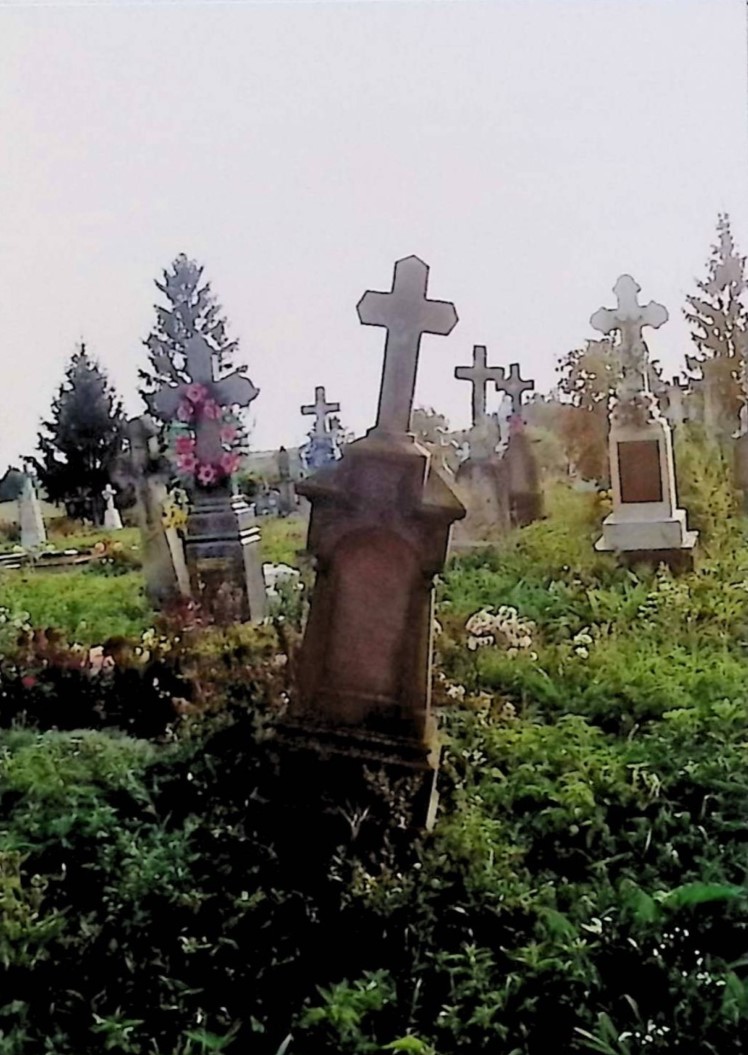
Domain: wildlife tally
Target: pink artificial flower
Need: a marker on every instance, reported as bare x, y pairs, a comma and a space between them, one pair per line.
228, 433
210, 410
187, 463
207, 474
229, 462
186, 411
516, 423
196, 393
28, 681
184, 444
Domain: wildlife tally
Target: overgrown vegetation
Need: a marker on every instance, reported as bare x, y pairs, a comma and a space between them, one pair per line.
181, 890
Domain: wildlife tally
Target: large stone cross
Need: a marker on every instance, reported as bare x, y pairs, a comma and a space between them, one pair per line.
406, 313
320, 409
515, 386
232, 390
630, 317
480, 375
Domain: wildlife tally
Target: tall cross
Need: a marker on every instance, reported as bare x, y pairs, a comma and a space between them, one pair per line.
232, 390
479, 374
514, 387
629, 318
320, 409
406, 313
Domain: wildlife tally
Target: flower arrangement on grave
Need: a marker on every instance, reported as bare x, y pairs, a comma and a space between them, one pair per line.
198, 406
175, 510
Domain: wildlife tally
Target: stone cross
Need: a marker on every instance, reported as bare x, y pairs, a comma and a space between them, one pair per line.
514, 387
320, 409
480, 375
232, 390
406, 313
630, 318
108, 494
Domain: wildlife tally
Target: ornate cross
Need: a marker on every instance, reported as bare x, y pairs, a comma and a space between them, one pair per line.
232, 390
320, 409
479, 374
514, 387
630, 318
406, 313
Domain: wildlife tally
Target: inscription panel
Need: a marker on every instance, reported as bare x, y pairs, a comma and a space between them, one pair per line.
639, 471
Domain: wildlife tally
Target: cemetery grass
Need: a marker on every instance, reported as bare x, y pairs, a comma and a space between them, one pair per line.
584, 888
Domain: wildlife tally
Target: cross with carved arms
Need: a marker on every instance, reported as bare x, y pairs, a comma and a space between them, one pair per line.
406, 313
480, 375
514, 387
630, 318
232, 390
320, 409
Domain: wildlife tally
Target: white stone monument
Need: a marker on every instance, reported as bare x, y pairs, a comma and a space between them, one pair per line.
33, 531
112, 519
645, 523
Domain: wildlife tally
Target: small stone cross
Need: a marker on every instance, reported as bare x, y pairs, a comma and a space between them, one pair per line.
108, 494
630, 317
232, 390
480, 375
514, 387
406, 313
320, 409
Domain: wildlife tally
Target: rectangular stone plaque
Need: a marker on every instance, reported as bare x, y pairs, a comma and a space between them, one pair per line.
639, 471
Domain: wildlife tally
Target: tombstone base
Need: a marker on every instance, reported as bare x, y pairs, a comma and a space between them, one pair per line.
483, 489
667, 541
222, 551
527, 508
337, 753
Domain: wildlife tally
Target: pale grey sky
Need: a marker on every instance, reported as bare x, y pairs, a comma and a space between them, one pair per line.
529, 151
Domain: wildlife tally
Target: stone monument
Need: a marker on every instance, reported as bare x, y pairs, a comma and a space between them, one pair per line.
379, 532
481, 478
33, 531
287, 500
525, 492
322, 448
112, 519
144, 470
645, 524
222, 539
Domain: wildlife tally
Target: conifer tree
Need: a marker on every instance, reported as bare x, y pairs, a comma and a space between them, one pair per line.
192, 309
719, 323
80, 443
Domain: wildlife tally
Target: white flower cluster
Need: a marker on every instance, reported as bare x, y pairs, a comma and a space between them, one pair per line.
501, 627
280, 574
16, 620
581, 643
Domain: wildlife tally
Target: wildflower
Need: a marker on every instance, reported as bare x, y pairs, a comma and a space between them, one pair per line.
456, 692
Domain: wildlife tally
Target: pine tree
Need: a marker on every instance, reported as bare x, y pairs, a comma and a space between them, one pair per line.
192, 310
78, 446
719, 323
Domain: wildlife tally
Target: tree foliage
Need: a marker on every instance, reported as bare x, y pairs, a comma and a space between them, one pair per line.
80, 443
718, 319
192, 310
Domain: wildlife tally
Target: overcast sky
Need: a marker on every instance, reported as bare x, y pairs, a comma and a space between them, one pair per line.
528, 151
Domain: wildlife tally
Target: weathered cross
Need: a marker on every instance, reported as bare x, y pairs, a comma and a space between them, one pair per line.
479, 374
514, 387
406, 313
232, 390
320, 409
108, 494
630, 317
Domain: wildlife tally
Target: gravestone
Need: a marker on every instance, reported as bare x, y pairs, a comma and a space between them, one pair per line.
645, 524
144, 470
523, 474
112, 518
322, 447
287, 500
33, 531
379, 532
481, 479
222, 539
